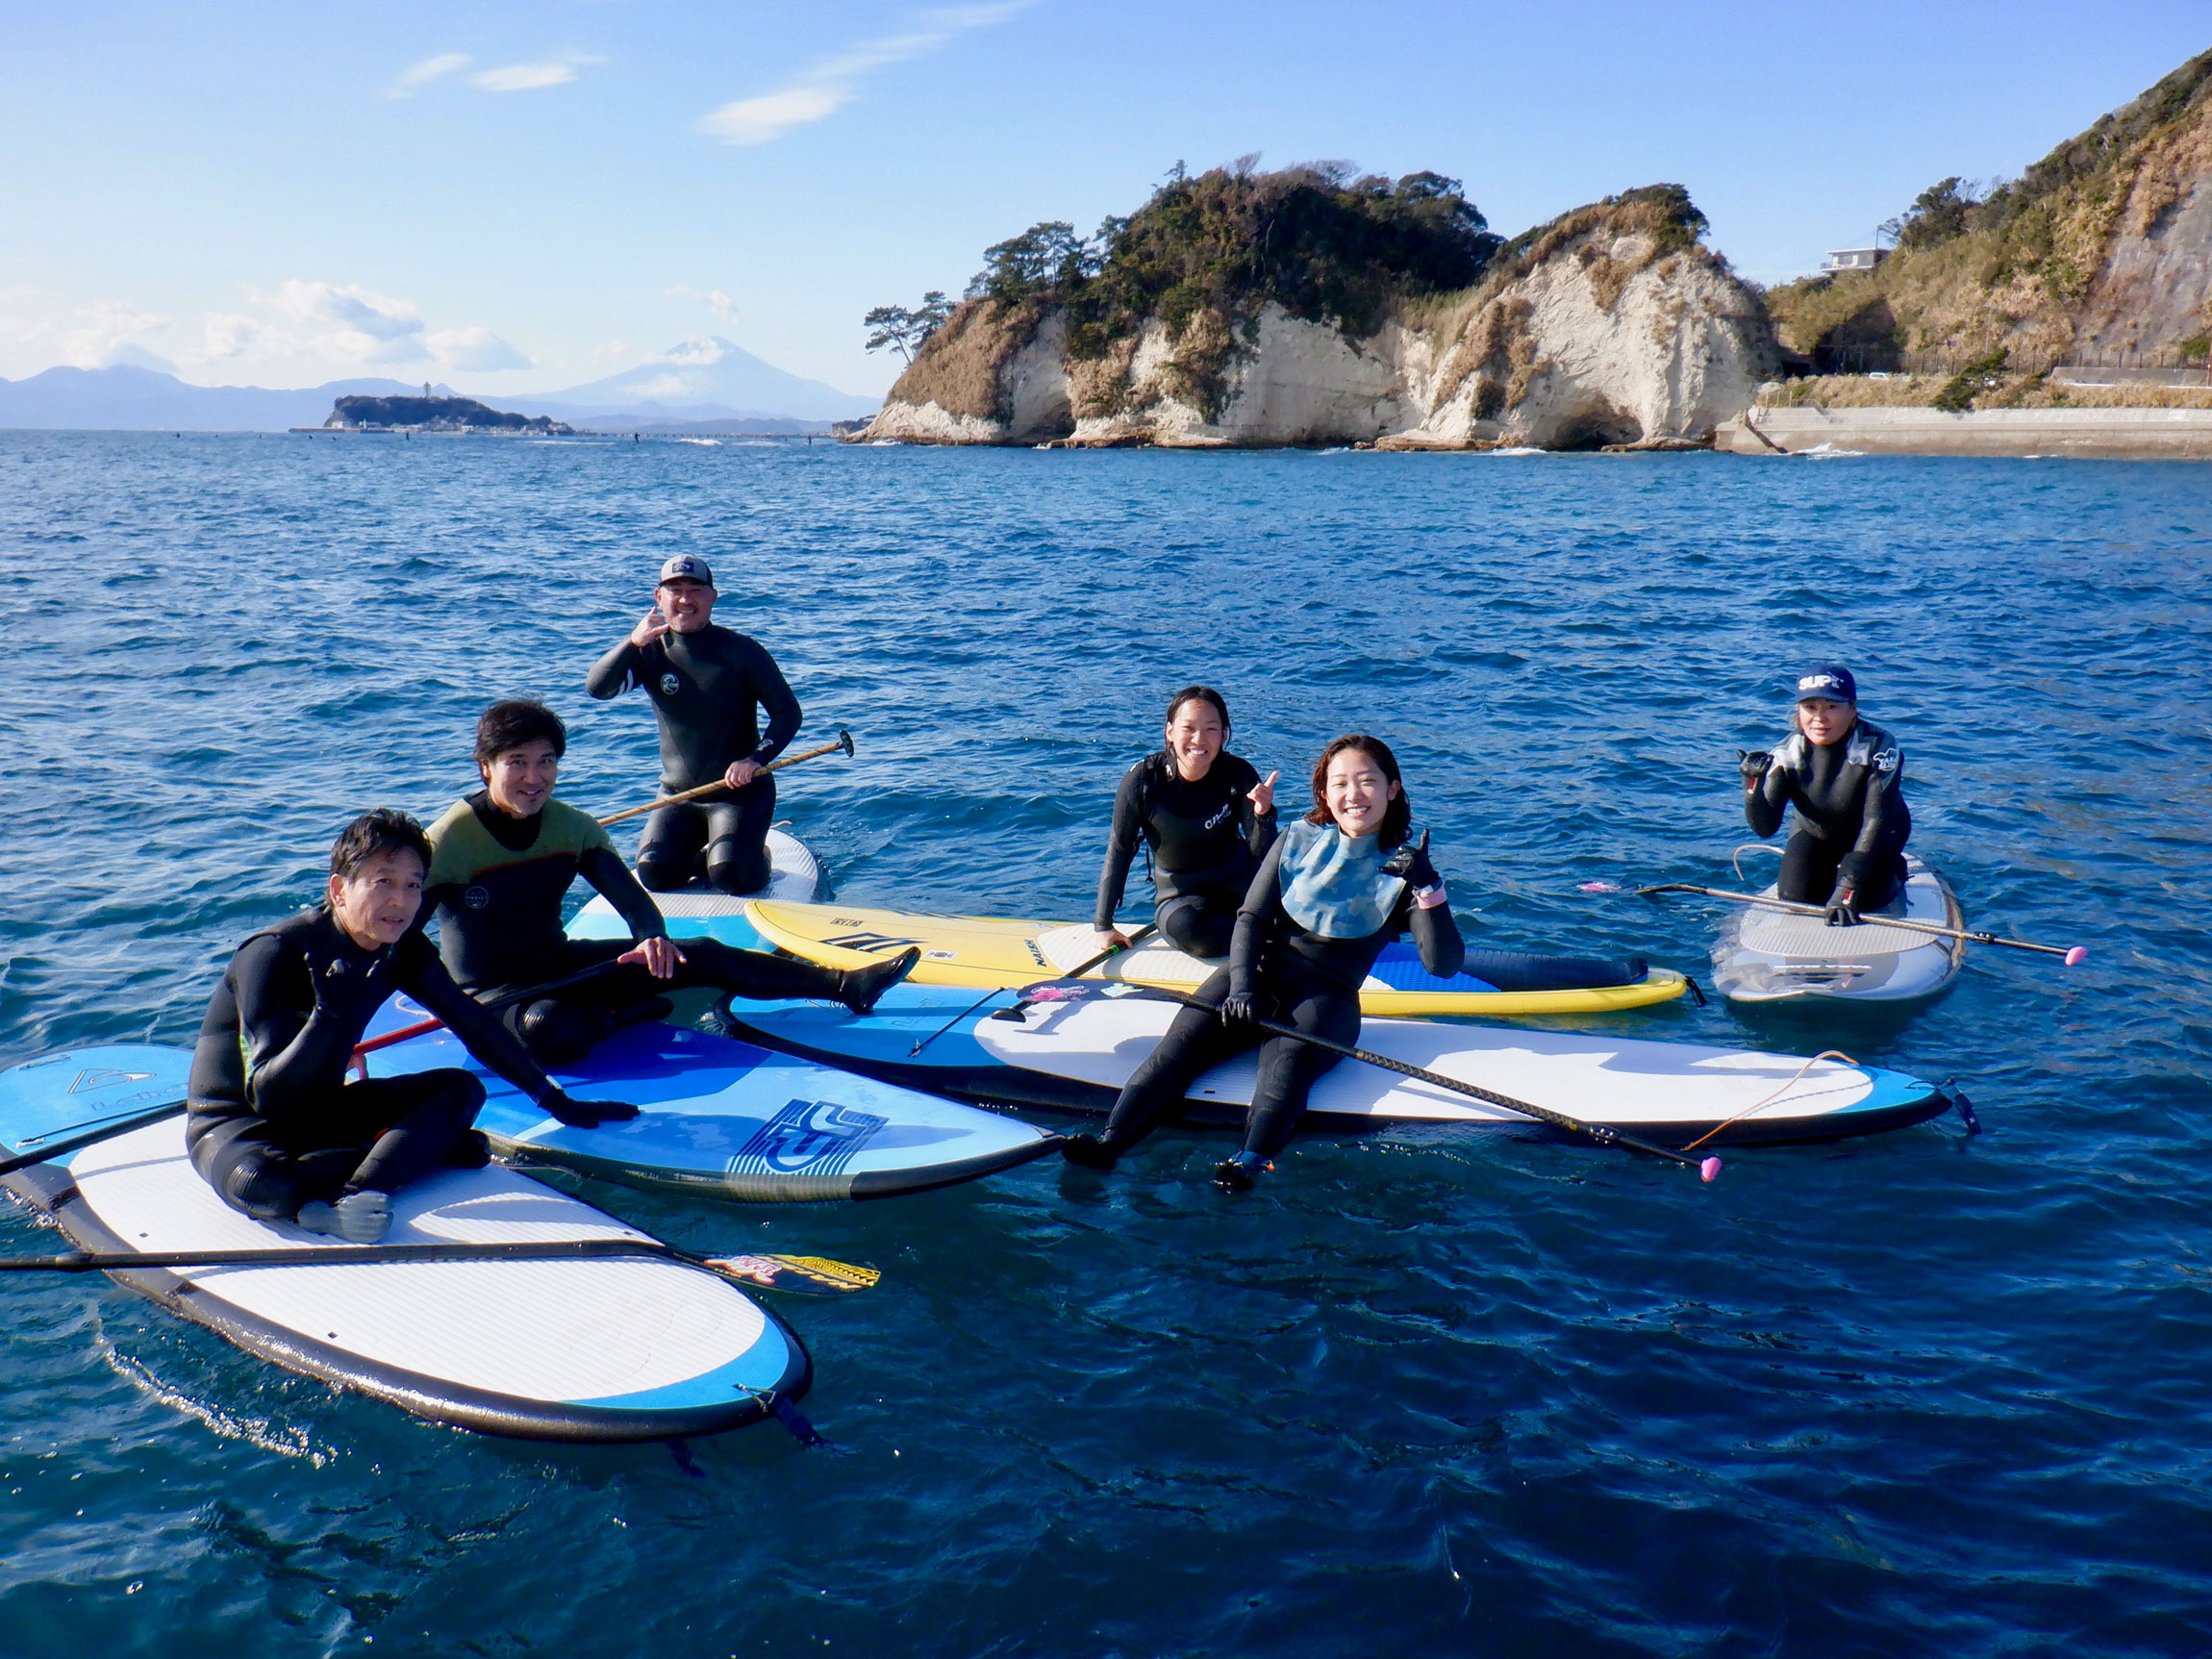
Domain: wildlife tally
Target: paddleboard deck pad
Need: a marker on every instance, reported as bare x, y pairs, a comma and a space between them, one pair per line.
1773, 955
985, 953
720, 1118
1075, 1054
621, 1349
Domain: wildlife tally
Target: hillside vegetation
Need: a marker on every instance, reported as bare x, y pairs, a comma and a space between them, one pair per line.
2105, 245
1204, 257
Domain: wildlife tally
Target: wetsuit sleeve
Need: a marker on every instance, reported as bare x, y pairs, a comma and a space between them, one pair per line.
604, 869
1883, 803
290, 1062
1436, 936
1121, 849
423, 977
1254, 917
1763, 806
773, 693
615, 672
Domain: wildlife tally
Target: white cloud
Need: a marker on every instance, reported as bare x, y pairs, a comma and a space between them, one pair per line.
344, 322
473, 350
530, 77
724, 308
97, 335
834, 83
428, 70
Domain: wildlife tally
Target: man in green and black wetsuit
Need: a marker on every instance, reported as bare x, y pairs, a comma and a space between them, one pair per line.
501, 862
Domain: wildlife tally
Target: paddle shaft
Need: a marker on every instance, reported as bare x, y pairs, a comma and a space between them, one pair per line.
1928, 927
835, 1276
844, 743
1602, 1133
1075, 973
92, 1138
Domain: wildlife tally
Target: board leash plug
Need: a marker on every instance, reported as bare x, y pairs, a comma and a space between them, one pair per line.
1708, 1168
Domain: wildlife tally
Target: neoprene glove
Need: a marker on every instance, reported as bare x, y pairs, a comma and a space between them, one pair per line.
350, 993
1842, 910
1754, 764
1411, 864
585, 1114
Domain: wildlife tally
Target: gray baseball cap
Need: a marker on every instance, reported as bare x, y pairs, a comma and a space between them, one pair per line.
686, 568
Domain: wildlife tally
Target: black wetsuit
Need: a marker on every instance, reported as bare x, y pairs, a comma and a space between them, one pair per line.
705, 688
1852, 820
1205, 838
1296, 978
274, 1123
496, 886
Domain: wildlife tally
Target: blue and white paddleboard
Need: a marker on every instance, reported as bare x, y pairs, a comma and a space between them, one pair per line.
1074, 1055
728, 1119
604, 1350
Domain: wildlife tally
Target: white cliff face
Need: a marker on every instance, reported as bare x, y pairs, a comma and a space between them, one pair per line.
1604, 339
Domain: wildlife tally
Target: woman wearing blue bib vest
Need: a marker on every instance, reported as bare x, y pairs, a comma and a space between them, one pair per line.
1335, 888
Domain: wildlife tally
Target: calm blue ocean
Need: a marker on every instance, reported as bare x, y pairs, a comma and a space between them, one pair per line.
1429, 1394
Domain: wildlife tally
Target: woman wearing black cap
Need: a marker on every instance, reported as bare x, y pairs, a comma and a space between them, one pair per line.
1845, 777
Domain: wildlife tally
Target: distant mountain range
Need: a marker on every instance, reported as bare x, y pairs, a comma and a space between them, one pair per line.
703, 382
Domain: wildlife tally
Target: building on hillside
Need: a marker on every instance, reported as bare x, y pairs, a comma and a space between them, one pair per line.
1845, 259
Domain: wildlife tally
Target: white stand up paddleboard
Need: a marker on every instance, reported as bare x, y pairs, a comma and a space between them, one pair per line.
1776, 955
620, 1349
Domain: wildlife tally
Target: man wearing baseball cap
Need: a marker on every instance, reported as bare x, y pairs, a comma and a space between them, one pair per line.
1846, 776
708, 687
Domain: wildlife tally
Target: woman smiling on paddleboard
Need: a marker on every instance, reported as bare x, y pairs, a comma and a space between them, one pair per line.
1334, 888
1845, 777
1206, 816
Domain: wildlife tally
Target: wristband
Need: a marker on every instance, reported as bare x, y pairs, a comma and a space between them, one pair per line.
1429, 898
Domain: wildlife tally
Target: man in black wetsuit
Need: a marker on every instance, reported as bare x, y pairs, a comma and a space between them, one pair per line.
1845, 777
274, 1125
706, 684
502, 861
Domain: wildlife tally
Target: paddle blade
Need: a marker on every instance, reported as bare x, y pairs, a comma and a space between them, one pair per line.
2079, 955
1708, 1168
802, 1275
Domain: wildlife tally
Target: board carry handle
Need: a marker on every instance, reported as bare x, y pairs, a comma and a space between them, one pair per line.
1075, 973
1603, 1135
807, 1276
844, 745
2074, 954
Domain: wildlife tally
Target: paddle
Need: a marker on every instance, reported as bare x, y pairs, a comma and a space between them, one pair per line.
1604, 1136
2074, 954
844, 743
1075, 973
91, 1138
805, 1276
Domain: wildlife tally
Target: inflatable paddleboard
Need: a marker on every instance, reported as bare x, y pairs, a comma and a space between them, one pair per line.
607, 1349
1771, 955
1075, 1055
993, 953
727, 1119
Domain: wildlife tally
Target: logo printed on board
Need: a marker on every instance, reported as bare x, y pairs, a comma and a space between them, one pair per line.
95, 1077
808, 1135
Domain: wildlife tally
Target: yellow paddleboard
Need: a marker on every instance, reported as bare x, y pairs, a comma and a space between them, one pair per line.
994, 953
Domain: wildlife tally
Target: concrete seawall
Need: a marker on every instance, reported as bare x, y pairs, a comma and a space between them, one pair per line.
2087, 434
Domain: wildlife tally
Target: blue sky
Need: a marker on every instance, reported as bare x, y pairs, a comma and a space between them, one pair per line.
519, 198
